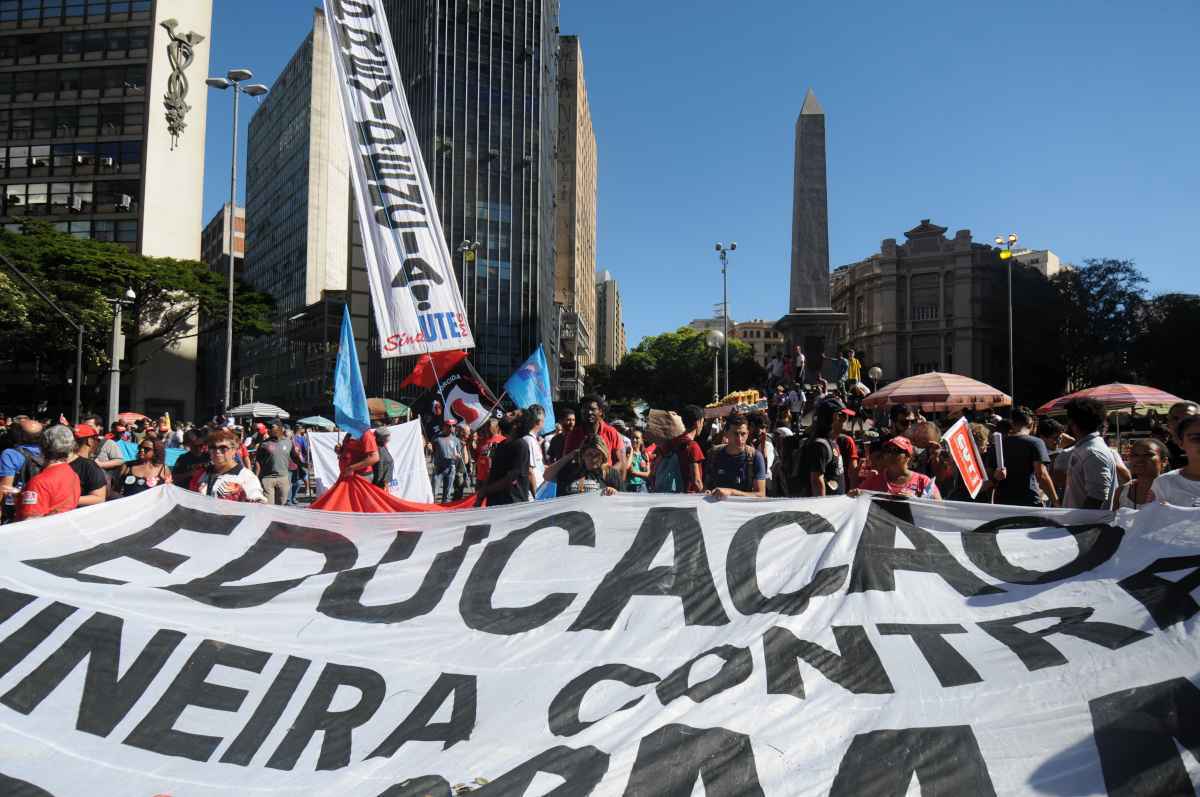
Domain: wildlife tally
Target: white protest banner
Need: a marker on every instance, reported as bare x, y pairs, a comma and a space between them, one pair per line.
641, 645
406, 444
965, 453
414, 290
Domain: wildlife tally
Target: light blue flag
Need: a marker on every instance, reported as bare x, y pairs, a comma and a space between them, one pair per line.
531, 385
349, 399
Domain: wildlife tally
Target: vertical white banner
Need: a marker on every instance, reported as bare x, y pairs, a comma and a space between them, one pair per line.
418, 307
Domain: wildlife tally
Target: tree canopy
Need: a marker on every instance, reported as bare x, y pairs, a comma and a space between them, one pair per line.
674, 369
78, 275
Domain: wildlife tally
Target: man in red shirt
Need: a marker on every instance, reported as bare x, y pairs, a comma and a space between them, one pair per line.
358, 455
592, 410
56, 489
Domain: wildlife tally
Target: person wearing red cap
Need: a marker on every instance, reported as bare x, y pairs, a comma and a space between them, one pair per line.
93, 482
895, 478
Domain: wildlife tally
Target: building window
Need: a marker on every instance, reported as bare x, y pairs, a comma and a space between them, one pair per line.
925, 312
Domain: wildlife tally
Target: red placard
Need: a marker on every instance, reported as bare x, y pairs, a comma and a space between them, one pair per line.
961, 442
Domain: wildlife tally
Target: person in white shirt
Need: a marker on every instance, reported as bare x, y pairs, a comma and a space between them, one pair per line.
1182, 487
533, 418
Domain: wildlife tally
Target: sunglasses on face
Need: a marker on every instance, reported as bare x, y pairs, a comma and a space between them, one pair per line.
222, 449
146, 450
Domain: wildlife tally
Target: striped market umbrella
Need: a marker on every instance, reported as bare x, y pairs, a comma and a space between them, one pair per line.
1117, 396
386, 408
937, 392
258, 409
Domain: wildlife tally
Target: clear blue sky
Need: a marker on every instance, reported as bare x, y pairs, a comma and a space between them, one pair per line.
1073, 123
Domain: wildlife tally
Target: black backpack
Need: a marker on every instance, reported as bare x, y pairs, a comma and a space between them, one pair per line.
33, 465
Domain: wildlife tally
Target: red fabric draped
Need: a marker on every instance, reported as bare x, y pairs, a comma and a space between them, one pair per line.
355, 494
431, 367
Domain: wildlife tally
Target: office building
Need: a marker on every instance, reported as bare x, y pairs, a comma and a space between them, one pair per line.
610, 324
215, 245
96, 141
761, 336
482, 83
576, 233
931, 303
298, 229
1043, 260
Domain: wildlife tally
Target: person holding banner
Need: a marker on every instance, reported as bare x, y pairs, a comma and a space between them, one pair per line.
595, 474
225, 478
895, 478
737, 469
1147, 461
1182, 487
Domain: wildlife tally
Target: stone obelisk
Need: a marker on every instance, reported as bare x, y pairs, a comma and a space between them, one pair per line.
811, 323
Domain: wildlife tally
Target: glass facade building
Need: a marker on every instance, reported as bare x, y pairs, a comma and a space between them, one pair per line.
73, 114
481, 79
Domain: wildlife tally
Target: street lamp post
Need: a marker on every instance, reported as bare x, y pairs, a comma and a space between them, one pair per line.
118, 348
724, 253
78, 331
468, 250
714, 340
1006, 254
876, 373
233, 79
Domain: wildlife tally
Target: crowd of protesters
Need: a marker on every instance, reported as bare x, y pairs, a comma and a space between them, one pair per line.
808, 441
815, 442
251, 463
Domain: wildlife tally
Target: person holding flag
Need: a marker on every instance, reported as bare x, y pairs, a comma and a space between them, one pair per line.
359, 451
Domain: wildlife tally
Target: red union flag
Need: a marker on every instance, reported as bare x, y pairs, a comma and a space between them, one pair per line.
966, 456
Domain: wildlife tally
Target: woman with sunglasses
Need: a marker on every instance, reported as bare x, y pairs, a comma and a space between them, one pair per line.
224, 477
146, 472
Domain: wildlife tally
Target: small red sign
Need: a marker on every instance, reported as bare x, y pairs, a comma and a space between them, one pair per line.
966, 456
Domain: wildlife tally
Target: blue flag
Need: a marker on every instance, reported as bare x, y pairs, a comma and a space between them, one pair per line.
531, 385
349, 399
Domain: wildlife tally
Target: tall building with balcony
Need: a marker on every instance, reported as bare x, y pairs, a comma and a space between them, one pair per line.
482, 83
931, 303
97, 140
298, 229
575, 271
610, 323
215, 247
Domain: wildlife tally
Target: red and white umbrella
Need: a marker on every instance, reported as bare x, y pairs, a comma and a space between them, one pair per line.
1117, 396
937, 392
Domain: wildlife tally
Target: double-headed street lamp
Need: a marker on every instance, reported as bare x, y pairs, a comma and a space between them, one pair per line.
724, 254
234, 79
1006, 254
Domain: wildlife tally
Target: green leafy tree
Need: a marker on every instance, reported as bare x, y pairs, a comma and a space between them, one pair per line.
673, 369
78, 275
1106, 299
1171, 324
1040, 312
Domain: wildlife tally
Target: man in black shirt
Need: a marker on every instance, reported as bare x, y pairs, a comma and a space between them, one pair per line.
1026, 462
567, 422
194, 458
822, 471
508, 481
93, 484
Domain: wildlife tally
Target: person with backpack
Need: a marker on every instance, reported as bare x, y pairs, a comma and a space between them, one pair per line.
20, 463
55, 488
679, 467
821, 468
737, 469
